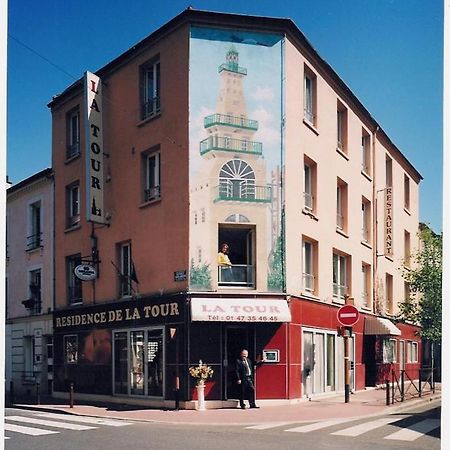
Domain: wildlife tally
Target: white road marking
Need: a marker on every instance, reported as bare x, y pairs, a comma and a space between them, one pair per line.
415, 431
84, 419
266, 426
319, 425
366, 426
27, 430
49, 423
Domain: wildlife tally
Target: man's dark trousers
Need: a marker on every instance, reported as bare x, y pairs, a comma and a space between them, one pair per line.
247, 392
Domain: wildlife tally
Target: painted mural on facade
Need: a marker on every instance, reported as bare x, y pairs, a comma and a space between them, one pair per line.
235, 147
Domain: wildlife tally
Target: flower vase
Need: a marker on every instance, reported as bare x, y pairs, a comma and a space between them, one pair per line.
201, 395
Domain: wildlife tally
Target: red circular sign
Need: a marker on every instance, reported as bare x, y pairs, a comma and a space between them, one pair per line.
348, 315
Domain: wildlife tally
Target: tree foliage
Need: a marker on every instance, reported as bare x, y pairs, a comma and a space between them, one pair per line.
425, 303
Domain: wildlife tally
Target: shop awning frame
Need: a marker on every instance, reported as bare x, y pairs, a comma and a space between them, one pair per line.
380, 326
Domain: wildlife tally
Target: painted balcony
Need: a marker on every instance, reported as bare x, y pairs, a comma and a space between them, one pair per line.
241, 191
226, 144
233, 67
230, 121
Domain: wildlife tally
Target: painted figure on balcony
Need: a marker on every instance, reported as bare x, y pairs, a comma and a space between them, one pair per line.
224, 263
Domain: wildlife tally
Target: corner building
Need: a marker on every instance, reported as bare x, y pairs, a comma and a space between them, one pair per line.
220, 128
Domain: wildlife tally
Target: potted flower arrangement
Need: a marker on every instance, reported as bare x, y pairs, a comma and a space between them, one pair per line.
201, 373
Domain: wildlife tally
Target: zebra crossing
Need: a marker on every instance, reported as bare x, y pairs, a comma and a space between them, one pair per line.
408, 433
44, 423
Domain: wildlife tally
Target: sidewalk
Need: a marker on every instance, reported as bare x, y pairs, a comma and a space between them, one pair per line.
362, 404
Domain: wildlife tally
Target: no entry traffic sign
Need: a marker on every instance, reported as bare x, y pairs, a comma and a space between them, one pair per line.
348, 315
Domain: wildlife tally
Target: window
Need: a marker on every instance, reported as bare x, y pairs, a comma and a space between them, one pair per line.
310, 96
389, 294
151, 90
366, 220
388, 171
365, 151
341, 205
407, 260
35, 290
73, 133
341, 270
71, 349
125, 270
73, 204
341, 122
389, 351
152, 186
412, 352
366, 290
309, 265
74, 289
237, 181
407, 290
34, 240
406, 189
310, 185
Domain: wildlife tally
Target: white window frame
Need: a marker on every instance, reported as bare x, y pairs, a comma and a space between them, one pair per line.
365, 150
308, 187
73, 204
152, 177
308, 279
309, 85
35, 224
366, 223
389, 351
73, 138
366, 275
407, 192
340, 129
151, 102
339, 209
340, 286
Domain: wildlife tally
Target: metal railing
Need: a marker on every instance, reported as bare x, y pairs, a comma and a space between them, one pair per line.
151, 107
365, 235
241, 275
309, 201
232, 121
75, 294
339, 291
247, 193
227, 144
34, 241
152, 193
308, 282
402, 386
72, 150
339, 221
309, 115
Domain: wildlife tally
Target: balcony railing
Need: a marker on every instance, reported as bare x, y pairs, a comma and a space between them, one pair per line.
226, 144
72, 150
339, 221
365, 235
339, 291
239, 275
232, 121
153, 193
232, 67
308, 282
309, 201
365, 299
246, 193
309, 115
151, 107
34, 241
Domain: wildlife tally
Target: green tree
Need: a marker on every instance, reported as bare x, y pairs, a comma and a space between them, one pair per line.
275, 279
425, 303
200, 276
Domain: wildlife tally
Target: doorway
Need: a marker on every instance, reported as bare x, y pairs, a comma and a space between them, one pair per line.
236, 338
241, 242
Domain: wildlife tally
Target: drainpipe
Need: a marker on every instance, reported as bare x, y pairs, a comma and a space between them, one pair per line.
374, 224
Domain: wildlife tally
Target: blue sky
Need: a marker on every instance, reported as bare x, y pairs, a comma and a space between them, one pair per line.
389, 52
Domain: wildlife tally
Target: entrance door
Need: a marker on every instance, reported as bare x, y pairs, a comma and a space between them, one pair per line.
236, 338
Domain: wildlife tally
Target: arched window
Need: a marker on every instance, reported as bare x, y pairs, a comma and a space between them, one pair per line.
236, 180
237, 218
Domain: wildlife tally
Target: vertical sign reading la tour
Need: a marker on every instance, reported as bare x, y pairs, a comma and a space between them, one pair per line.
94, 148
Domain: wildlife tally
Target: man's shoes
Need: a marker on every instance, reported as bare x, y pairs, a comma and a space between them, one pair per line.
243, 407
254, 407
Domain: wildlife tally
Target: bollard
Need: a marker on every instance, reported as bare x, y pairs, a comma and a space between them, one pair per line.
38, 393
71, 395
402, 384
388, 395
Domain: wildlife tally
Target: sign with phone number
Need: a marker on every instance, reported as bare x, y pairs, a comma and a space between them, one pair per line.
239, 310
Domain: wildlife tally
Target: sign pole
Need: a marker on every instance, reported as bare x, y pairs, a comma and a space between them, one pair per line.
346, 368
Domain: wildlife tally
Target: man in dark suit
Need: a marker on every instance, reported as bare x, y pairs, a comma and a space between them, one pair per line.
244, 374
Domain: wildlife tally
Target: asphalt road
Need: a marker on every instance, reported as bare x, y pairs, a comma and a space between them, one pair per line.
415, 429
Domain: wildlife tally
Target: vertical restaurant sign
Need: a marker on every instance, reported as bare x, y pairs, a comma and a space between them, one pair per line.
94, 148
388, 248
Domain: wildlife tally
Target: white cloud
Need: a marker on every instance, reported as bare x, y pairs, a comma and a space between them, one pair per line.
263, 93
